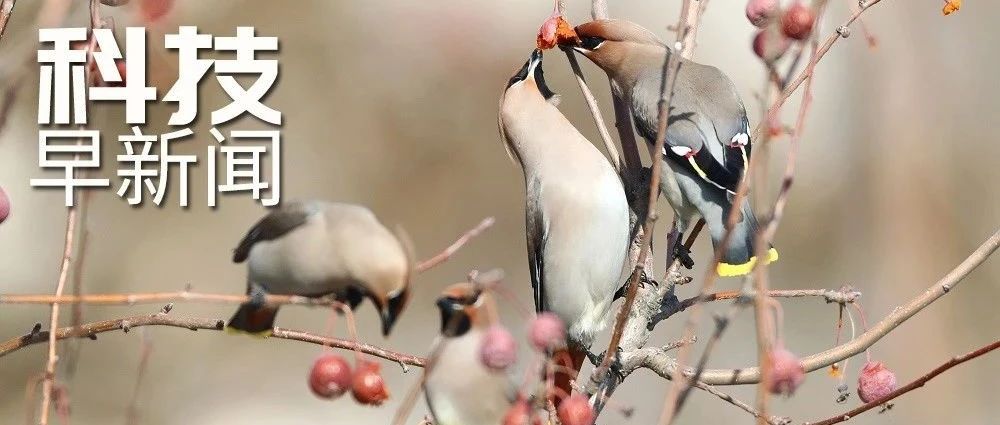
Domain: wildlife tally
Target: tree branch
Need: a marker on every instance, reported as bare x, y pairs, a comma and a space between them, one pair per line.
666, 366
806, 73
595, 111
454, 247
919, 382
90, 330
6, 9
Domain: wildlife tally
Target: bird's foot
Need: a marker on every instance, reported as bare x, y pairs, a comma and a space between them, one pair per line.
683, 254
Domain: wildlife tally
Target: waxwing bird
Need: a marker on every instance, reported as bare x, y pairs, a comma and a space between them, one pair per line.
459, 388
318, 248
707, 147
576, 211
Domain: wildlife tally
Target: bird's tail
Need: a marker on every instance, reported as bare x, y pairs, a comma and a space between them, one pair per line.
253, 319
739, 257
568, 362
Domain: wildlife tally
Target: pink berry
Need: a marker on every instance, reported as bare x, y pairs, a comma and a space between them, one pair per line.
330, 376
547, 332
770, 44
797, 22
367, 385
498, 350
519, 413
875, 382
760, 12
576, 410
786, 374
154, 10
4, 205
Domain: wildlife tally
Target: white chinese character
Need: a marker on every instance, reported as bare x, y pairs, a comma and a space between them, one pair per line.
167, 158
243, 164
55, 78
134, 92
139, 176
246, 44
86, 154
191, 69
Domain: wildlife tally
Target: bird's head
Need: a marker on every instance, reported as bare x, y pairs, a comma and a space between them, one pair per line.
461, 307
609, 43
389, 289
528, 83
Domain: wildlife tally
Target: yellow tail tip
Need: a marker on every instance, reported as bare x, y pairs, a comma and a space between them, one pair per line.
261, 334
726, 269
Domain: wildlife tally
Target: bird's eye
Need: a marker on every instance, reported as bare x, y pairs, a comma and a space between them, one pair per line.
591, 43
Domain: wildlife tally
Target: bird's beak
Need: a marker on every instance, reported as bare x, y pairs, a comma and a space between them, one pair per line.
391, 310
535, 59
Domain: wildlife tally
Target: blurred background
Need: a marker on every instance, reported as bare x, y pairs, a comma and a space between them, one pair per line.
392, 104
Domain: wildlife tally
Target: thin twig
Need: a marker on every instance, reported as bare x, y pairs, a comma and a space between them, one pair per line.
163, 297
90, 330
794, 85
919, 382
454, 247
666, 366
595, 111
829, 295
772, 420
6, 9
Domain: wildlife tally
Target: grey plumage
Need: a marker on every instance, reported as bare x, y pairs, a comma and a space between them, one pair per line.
317, 248
707, 147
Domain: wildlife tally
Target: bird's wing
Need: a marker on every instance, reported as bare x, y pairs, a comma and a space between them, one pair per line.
689, 145
536, 229
272, 226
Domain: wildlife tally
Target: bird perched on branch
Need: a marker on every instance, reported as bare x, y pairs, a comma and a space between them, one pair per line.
318, 248
577, 216
460, 389
707, 148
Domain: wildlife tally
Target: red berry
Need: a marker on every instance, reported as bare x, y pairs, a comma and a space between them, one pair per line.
519, 413
875, 382
330, 376
4, 205
760, 12
498, 350
367, 385
797, 22
787, 372
576, 410
770, 44
154, 10
547, 332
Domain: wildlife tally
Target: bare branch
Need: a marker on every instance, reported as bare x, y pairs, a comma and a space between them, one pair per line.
806, 73
164, 297
919, 382
772, 420
595, 111
454, 247
666, 366
6, 9
90, 330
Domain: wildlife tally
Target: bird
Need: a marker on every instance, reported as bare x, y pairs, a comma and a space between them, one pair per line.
707, 147
576, 213
317, 248
459, 388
